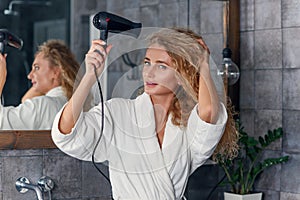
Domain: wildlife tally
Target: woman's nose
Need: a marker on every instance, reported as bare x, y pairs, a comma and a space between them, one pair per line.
29, 76
150, 71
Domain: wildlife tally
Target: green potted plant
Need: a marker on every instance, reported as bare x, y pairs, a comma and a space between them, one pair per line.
242, 171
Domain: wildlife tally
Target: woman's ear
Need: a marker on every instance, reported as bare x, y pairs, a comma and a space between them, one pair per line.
179, 82
178, 79
57, 73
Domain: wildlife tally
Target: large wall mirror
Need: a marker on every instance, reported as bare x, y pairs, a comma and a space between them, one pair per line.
34, 21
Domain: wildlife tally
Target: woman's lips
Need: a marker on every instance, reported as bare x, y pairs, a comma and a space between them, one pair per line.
151, 84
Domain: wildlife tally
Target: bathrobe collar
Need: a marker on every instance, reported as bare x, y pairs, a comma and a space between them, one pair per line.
145, 119
54, 92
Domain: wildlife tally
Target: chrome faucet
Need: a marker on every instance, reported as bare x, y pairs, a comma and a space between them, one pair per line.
45, 184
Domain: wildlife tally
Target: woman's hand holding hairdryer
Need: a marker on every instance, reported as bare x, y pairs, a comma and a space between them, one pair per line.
95, 58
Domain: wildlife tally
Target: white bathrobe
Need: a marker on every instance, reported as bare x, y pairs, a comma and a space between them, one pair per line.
33, 114
138, 168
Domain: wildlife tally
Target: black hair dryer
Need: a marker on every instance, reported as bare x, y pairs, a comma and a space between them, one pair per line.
107, 22
9, 39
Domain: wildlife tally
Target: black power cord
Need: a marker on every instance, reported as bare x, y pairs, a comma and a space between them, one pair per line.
102, 128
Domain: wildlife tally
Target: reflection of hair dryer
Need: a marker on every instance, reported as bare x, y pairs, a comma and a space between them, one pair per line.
9, 39
108, 22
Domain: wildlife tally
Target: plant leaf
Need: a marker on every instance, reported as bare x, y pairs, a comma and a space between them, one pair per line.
270, 162
261, 141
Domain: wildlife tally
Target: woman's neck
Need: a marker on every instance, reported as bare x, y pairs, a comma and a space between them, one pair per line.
164, 101
161, 105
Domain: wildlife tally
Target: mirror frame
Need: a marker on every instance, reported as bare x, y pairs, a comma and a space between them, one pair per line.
29, 139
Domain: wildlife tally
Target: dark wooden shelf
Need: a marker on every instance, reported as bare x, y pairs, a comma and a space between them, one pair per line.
29, 139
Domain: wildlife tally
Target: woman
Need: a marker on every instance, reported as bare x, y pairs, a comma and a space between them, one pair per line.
154, 142
53, 73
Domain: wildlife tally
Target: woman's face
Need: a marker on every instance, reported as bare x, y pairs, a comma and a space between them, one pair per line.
43, 76
158, 72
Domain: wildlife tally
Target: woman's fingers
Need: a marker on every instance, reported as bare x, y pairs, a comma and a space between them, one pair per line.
205, 47
98, 46
96, 56
203, 44
3, 62
94, 60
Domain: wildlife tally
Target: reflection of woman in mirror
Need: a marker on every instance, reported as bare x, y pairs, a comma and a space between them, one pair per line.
53, 74
156, 141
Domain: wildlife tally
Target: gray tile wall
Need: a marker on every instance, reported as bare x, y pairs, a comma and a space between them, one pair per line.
269, 92
74, 179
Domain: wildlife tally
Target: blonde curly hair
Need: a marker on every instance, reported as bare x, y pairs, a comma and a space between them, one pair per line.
59, 55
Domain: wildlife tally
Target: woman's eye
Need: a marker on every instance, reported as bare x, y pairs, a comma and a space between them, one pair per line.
36, 68
147, 63
162, 67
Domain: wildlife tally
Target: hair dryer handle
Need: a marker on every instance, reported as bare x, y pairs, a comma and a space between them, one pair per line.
2, 45
104, 30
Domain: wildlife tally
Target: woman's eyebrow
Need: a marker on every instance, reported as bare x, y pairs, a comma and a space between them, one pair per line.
163, 62
157, 61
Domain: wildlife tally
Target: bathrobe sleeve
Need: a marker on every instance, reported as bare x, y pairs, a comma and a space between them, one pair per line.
86, 135
203, 137
33, 114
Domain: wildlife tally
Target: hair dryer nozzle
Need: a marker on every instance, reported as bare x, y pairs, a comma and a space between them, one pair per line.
108, 22
9, 39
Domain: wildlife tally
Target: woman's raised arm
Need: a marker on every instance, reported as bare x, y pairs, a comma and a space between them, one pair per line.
208, 100
94, 60
3, 72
